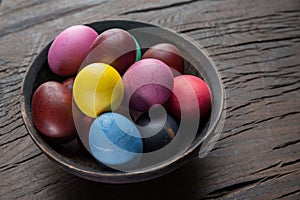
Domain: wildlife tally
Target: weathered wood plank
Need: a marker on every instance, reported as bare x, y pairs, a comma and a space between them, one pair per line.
256, 46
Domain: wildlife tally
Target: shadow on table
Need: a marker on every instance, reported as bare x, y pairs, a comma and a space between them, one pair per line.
184, 183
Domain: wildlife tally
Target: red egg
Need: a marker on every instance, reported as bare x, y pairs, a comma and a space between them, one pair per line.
69, 83
52, 112
114, 47
190, 98
169, 54
69, 49
82, 124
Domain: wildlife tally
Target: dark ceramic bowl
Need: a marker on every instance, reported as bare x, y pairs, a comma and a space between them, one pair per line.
79, 162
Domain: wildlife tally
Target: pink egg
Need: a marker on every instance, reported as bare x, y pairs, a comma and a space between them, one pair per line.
70, 48
190, 98
147, 82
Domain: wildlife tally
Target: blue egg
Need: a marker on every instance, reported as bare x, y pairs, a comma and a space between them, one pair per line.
115, 141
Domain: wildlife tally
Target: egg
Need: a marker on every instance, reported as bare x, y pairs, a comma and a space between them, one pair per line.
82, 124
138, 49
51, 109
98, 88
115, 141
68, 83
115, 47
146, 83
190, 98
69, 49
153, 139
169, 54
127, 112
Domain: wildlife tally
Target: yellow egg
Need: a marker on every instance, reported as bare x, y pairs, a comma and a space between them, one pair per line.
98, 88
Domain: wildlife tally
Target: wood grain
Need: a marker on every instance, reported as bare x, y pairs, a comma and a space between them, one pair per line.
256, 46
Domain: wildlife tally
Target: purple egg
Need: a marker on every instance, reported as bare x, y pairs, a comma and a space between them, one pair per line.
70, 48
146, 83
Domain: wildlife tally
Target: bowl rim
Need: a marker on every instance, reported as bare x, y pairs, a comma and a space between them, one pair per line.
112, 176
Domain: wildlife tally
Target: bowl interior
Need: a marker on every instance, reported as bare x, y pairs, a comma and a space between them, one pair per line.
79, 162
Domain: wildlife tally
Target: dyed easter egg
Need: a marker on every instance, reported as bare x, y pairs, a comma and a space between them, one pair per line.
138, 49
190, 96
146, 83
115, 141
69, 83
52, 112
169, 54
82, 124
115, 47
98, 88
69, 49
153, 140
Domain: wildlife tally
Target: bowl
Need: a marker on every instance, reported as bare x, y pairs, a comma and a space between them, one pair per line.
79, 162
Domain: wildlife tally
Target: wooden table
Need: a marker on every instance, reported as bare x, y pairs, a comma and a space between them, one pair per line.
256, 46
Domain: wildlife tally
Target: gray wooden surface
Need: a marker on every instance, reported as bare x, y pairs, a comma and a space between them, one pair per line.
256, 46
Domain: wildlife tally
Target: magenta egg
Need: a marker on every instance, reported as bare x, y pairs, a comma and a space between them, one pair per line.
169, 54
52, 112
146, 83
190, 97
114, 47
70, 48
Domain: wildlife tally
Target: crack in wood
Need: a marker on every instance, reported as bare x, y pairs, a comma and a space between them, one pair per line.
264, 41
266, 168
252, 125
289, 194
285, 174
290, 11
268, 16
242, 106
289, 66
24, 6
159, 7
260, 62
44, 187
16, 164
15, 139
281, 85
27, 23
236, 133
275, 95
233, 188
10, 120
195, 29
288, 114
275, 47
237, 115
290, 162
13, 129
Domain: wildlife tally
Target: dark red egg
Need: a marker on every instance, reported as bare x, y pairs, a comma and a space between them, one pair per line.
169, 54
52, 112
69, 83
114, 47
